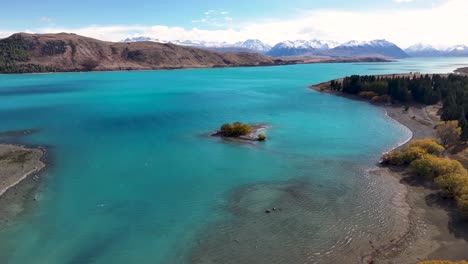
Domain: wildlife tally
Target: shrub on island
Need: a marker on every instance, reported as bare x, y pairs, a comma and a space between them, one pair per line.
235, 129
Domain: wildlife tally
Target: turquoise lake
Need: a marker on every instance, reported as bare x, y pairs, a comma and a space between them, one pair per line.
134, 178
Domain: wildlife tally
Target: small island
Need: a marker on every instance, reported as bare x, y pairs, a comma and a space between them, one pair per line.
241, 131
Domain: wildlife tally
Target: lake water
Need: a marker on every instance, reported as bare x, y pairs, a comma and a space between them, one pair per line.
135, 179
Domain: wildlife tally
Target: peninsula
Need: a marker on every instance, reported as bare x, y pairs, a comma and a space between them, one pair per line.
17, 164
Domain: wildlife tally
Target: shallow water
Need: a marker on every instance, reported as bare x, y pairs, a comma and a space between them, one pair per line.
134, 178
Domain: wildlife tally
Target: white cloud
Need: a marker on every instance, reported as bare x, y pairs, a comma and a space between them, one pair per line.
441, 25
403, 1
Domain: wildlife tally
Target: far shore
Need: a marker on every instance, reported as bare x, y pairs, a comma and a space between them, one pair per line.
431, 227
19, 167
280, 61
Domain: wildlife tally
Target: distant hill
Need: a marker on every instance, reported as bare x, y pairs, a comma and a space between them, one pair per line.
70, 52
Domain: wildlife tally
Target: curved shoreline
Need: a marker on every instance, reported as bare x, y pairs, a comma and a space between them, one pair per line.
406, 141
427, 232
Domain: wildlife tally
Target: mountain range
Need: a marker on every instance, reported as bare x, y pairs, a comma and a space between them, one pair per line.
66, 52
426, 50
317, 48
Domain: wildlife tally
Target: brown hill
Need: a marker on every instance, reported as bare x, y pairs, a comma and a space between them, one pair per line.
23, 52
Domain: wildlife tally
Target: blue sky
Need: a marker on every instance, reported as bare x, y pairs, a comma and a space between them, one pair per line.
232, 20
27, 14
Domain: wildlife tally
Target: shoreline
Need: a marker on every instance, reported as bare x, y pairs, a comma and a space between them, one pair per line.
284, 61
429, 221
20, 167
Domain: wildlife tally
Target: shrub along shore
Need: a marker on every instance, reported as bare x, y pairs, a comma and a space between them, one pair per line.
424, 158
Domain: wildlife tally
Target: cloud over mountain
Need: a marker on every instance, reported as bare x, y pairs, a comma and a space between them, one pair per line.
441, 25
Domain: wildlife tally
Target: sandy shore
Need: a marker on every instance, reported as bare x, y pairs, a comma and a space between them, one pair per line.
18, 169
431, 227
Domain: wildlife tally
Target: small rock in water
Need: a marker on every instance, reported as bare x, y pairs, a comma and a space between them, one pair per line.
267, 211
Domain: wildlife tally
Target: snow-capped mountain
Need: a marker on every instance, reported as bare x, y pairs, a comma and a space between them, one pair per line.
254, 44
426, 50
423, 50
353, 48
378, 47
191, 43
351, 43
458, 51
201, 43
300, 47
138, 39
420, 47
315, 47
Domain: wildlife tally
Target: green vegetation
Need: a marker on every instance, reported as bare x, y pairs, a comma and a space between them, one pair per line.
235, 129
14, 55
13, 49
423, 158
452, 90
